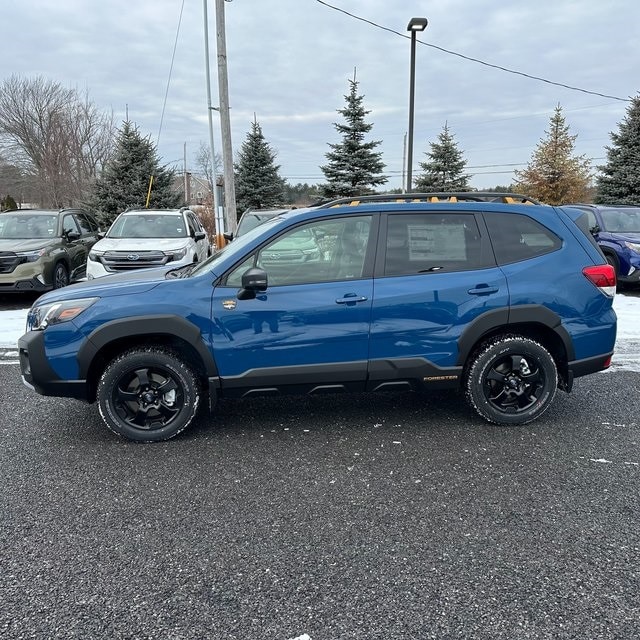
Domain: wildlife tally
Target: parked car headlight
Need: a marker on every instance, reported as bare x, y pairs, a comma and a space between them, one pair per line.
633, 246
31, 256
311, 254
176, 254
95, 256
41, 316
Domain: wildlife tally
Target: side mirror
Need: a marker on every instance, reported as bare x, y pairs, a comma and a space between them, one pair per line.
199, 235
595, 229
253, 280
71, 235
228, 236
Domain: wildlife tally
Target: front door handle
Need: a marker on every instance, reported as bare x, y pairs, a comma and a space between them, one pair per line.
351, 298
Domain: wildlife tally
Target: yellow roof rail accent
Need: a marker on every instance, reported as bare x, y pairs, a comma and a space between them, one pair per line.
438, 199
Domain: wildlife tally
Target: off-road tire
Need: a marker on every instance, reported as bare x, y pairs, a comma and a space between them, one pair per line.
511, 380
148, 394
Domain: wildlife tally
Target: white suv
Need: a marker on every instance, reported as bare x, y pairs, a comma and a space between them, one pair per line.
149, 238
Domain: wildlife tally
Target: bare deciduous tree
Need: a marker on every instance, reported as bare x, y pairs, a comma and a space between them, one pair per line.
203, 164
55, 134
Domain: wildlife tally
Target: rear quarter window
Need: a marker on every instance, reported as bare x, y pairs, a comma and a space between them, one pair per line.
517, 237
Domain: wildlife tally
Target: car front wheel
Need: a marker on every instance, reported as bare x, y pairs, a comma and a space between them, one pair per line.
511, 380
148, 395
60, 276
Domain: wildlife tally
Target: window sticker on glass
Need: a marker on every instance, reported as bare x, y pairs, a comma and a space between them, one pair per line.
441, 242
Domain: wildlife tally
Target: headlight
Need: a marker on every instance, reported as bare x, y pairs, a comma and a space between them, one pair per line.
32, 256
95, 256
41, 316
176, 254
633, 246
311, 253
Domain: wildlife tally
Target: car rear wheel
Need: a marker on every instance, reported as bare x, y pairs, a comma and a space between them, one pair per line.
60, 276
148, 395
613, 261
511, 380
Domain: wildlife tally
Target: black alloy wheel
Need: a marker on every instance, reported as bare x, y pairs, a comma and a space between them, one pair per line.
148, 395
513, 380
60, 276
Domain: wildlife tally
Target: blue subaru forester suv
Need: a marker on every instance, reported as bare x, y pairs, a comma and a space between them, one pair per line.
495, 295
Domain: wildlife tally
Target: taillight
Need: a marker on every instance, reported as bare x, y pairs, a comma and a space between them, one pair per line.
603, 276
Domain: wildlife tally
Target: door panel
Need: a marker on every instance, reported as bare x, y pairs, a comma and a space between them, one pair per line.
315, 314
323, 323
437, 274
424, 315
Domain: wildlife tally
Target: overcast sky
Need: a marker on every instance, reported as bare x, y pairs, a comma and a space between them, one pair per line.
289, 62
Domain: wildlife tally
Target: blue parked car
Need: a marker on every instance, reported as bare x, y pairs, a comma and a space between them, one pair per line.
617, 232
501, 298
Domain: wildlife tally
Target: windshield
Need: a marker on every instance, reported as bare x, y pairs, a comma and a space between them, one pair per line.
28, 227
623, 220
235, 247
147, 225
251, 221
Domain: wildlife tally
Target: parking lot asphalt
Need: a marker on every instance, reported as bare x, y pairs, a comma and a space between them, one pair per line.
344, 517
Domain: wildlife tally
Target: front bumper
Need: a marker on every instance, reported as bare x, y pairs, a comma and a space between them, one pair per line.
28, 276
23, 285
38, 375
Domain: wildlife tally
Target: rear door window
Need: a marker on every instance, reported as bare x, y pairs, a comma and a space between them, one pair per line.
433, 242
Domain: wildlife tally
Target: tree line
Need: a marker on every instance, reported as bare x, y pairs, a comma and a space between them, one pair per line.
58, 149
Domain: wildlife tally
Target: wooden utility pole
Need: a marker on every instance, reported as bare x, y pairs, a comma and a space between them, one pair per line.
225, 122
217, 213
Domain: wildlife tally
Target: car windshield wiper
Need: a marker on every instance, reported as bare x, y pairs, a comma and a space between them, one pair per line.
180, 272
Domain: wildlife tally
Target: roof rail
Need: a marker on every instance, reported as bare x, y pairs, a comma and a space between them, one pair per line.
436, 196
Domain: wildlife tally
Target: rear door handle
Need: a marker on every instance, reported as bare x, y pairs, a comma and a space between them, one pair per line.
482, 290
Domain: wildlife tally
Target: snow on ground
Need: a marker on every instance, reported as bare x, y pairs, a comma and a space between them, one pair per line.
626, 357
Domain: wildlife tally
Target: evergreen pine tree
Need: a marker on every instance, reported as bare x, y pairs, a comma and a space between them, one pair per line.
8, 204
354, 168
257, 181
444, 170
554, 175
124, 182
619, 182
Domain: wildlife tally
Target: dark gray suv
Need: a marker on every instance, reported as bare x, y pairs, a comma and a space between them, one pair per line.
42, 249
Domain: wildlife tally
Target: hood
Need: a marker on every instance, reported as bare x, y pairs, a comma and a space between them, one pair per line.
128, 283
621, 236
140, 244
24, 244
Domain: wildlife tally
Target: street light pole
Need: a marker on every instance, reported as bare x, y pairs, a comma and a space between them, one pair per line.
415, 25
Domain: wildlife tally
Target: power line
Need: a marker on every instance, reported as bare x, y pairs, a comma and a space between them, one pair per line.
173, 57
486, 64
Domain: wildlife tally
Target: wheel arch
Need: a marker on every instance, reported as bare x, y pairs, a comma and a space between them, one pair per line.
173, 332
531, 321
48, 273
611, 252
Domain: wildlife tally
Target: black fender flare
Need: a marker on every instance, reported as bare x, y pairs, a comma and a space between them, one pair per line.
169, 325
503, 318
